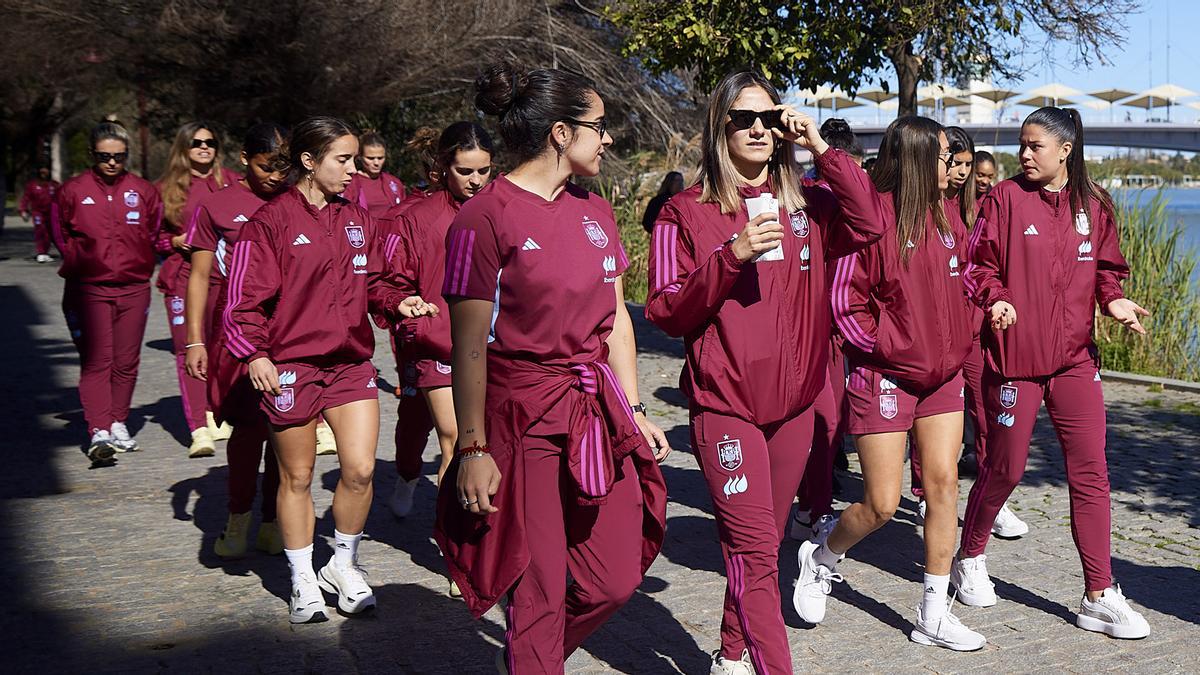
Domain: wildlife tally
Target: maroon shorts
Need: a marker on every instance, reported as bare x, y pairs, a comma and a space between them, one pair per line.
230, 395
879, 404
306, 390
427, 374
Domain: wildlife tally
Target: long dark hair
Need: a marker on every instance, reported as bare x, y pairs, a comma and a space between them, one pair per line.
960, 141
1065, 125
530, 103
908, 160
459, 137
668, 180
718, 177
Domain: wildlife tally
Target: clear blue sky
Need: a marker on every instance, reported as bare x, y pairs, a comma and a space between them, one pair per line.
1141, 64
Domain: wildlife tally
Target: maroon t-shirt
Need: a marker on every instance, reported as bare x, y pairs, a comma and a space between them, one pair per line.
375, 195
549, 267
217, 222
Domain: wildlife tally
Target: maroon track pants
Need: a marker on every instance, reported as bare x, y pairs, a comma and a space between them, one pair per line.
112, 323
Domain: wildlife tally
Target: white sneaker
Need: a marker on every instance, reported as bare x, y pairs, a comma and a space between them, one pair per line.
723, 666
1008, 525
354, 595
921, 507
306, 605
101, 448
813, 586
822, 529
1111, 614
122, 441
970, 577
402, 497
43, 258
946, 631
219, 432
801, 527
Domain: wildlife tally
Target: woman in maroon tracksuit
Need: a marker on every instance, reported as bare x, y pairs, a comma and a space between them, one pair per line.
757, 337
104, 222
1046, 251
215, 225
193, 171
901, 306
960, 197
555, 474
36, 202
305, 271
372, 188
416, 252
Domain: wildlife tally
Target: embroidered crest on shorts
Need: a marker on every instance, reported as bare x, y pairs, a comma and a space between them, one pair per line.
443, 368
800, 224
888, 407
354, 234
1008, 395
595, 233
729, 453
286, 399
176, 305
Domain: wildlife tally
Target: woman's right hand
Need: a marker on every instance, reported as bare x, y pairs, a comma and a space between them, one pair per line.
264, 376
1003, 315
196, 361
478, 481
762, 234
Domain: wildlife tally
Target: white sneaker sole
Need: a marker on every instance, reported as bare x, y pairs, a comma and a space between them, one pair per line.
1121, 631
345, 604
922, 638
1012, 533
974, 599
307, 615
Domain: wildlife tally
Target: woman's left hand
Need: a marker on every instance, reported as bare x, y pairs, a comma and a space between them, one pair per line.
654, 436
1127, 312
179, 243
413, 306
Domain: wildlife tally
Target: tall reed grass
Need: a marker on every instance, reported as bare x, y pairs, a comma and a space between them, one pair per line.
1162, 279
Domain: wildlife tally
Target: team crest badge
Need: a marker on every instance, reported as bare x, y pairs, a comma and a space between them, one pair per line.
1082, 225
1008, 395
131, 199
354, 233
177, 305
888, 407
729, 453
286, 398
800, 224
443, 368
595, 233
948, 240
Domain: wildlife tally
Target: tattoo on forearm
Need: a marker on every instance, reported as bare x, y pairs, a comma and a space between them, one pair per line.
474, 354
469, 431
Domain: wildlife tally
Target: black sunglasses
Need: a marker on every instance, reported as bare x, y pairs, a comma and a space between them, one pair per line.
114, 157
600, 126
744, 119
204, 143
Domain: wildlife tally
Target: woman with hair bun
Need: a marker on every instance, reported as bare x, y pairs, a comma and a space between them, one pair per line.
555, 476
1046, 250
372, 188
306, 270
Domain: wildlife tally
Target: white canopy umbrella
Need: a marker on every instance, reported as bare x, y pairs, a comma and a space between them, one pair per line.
1111, 96
1054, 93
831, 100
1169, 94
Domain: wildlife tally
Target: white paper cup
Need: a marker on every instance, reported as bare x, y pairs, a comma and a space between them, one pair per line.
756, 206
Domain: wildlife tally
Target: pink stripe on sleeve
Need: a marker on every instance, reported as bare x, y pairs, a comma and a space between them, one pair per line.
841, 305
238, 344
389, 247
191, 229
976, 235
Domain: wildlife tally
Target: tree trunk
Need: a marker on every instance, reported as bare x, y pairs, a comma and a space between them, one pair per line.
907, 66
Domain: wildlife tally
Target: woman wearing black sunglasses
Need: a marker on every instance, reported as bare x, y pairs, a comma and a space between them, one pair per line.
193, 171
104, 223
756, 332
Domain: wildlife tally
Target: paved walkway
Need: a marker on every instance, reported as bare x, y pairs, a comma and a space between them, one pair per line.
110, 570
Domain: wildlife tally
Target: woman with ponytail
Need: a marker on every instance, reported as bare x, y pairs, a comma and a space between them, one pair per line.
462, 165
555, 476
306, 270
212, 235
193, 171
900, 305
1044, 253
960, 203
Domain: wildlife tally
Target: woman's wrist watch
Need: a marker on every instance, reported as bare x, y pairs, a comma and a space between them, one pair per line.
638, 408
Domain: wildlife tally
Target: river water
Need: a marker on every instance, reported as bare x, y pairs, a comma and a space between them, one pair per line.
1183, 204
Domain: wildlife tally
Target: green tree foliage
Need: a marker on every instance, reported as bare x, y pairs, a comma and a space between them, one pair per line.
846, 43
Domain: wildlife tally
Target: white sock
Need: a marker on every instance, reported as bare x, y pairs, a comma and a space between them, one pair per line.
826, 557
933, 600
345, 548
300, 562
